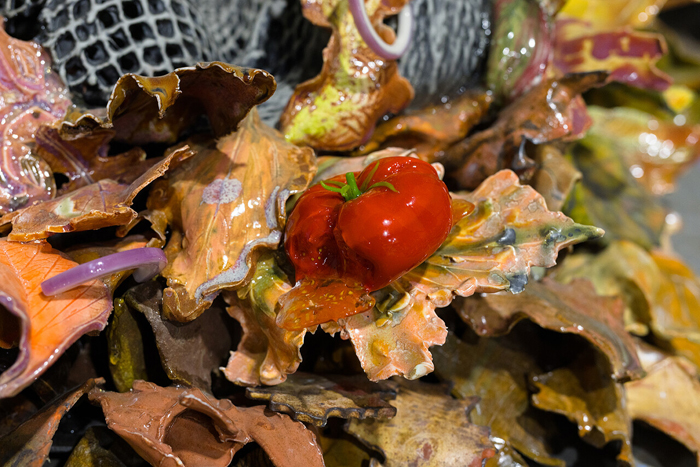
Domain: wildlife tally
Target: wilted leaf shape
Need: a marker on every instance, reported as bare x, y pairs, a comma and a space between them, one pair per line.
494, 245
102, 204
48, 325
337, 110
312, 398
573, 308
31, 94
30, 443
668, 398
393, 337
496, 371
179, 426
188, 352
266, 353
629, 56
146, 110
655, 151
84, 160
224, 205
127, 360
584, 393
521, 47
555, 176
609, 196
552, 110
430, 428
431, 130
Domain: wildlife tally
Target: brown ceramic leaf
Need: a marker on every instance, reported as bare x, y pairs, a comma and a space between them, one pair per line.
188, 352
573, 308
312, 398
145, 110
668, 398
102, 204
393, 337
430, 428
186, 426
266, 353
495, 370
584, 393
507, 230
31, 94
555, 176
430, 131
550, 111
29, 444
47, 325
337, 110
224, 205
126, 357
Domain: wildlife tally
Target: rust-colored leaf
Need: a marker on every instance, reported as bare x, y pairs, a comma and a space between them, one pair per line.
146, 110
30, 443
550, 111
266, 353
573, 308
313, 398
495, 370
494, 245
102, 204
31, 95
584, 393
188, 352
188, 427
431, 130
668, 398
224, 205
337, 110
430, 428
393, 337
48, 325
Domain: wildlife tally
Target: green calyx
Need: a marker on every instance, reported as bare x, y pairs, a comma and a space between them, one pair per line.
350, 190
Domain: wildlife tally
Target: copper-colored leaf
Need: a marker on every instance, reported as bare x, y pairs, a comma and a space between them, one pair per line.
584, 393
30, 443
574, 308
493, 247
393, 337
187, 427
430, 428
49, 325
224, 205
338, 109
495, 370
313, 398
555, 176
31, 94
669, 400
266, 353
102, 204
188, 352
430, 131
550, 111
145, 110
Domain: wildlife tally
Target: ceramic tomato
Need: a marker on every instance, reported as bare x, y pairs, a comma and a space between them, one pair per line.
369, 227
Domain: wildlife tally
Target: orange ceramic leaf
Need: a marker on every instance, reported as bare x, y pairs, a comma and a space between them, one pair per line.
49, 325
101, 204
669, 400
338, 109
573, 308
393, 337
186, 427
493, 246
224, 205
266, 353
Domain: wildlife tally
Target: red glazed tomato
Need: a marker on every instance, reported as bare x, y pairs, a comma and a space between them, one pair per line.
388, 219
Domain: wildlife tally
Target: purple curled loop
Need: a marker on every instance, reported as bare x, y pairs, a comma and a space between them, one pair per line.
372, 39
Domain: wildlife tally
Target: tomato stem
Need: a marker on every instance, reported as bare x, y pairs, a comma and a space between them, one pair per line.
350, 190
